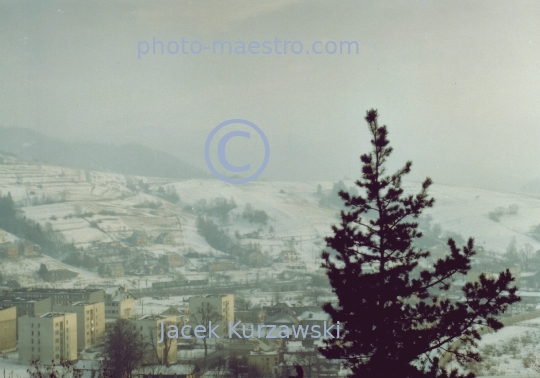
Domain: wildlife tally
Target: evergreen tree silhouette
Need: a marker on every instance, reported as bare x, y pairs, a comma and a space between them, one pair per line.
396, 319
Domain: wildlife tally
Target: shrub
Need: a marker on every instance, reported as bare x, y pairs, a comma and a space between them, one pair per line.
213, 235
255, 216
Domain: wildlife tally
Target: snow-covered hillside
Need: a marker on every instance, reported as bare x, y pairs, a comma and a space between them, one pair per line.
92, 206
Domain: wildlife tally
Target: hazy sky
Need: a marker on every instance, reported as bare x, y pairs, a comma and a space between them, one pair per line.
457, 82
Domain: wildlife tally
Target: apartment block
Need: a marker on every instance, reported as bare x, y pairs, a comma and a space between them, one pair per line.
149, 327
8, 328
90, 322
30, 307
121, 306
48, 337
223, 305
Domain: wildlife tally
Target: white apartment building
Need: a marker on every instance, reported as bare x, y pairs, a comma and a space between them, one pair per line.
48, 337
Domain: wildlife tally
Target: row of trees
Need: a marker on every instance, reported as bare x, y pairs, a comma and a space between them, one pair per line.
496, 214
14, 222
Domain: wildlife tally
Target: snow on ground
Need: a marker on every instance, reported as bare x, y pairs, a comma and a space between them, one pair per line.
293, 208
465, 210
510, 352
10, 367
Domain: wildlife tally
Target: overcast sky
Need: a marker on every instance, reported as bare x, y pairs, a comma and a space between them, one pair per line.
457, 82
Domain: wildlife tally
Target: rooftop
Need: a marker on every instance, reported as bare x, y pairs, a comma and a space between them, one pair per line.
152, 317
18, 300
263, 353
82, 303
53, 314
53, 291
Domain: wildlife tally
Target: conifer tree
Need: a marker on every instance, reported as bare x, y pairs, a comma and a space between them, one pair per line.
395, 316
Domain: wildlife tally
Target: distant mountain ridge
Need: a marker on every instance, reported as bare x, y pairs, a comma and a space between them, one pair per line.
130, 159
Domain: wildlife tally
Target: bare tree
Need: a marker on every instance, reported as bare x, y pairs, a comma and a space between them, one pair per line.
163, 348
152, 370
526, 253
276, 297
239, 368
315, 293
532, 362
203, 315
64, 369
309, 360
299, 371
219, 369
123, 348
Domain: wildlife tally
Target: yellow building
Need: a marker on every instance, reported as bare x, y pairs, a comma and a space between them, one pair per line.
149, 326
120, 306
289, 257
9, 250
221, 266
222, 304
8, 328
48, 337
90, 322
